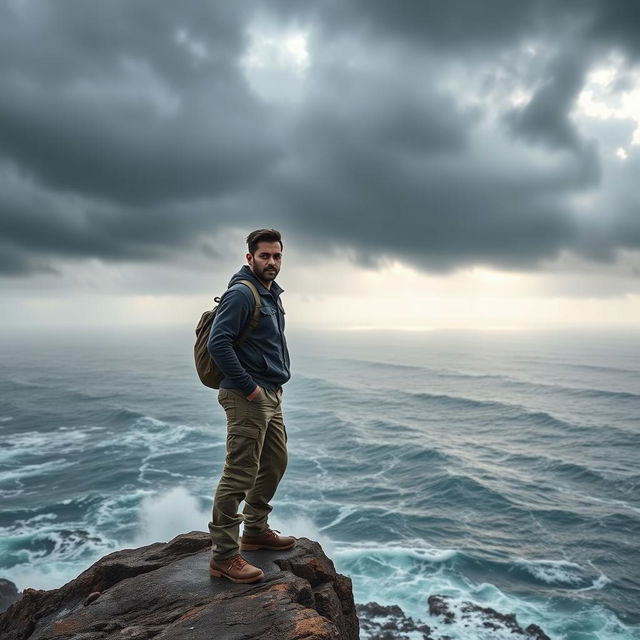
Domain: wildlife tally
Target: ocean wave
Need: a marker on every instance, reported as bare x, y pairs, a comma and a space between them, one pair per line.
90, 527
519, 570
344, 512
608, 501
32, 470
407, 573
600, 367
40, 443
120, 509
544, 419
600, 582
158, 437
502, 409
379, 364
533, 387
44, 538
390, 553
52, 555
164, 515
457, 489
455, 401
510, 381
571, 470
24, 383
562, 572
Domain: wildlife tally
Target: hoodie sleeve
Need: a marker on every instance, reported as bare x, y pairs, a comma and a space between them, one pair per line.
232, 317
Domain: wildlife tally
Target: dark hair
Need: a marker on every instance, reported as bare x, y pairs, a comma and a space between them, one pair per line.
262, 235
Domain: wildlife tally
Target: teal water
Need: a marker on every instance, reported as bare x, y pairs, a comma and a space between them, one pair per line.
500, 468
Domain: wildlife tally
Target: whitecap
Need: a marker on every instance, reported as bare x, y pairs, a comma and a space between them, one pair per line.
553, 571
344, 511
393, 551
48, 573
165, 515
601, 581
121, 508
26, 526
63, 440
32, 470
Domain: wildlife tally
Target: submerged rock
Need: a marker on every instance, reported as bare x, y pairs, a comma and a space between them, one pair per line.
164, 591
474, 615
378, 622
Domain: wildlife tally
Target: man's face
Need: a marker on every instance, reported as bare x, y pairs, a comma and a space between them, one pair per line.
266, 262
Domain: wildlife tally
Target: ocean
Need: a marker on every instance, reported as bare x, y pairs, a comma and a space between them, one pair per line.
497, 467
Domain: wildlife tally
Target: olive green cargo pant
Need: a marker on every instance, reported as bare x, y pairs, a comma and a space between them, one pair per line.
255, 462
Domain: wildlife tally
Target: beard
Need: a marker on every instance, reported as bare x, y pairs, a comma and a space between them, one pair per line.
264, 274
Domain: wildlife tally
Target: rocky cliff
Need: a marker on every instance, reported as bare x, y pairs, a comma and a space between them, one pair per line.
164, 591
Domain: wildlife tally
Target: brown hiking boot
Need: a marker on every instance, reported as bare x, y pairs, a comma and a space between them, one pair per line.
236, 569
267, 540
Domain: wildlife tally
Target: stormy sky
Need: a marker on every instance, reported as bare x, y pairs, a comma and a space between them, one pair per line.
419, 141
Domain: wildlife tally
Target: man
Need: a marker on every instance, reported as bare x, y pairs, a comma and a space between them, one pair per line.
251, 395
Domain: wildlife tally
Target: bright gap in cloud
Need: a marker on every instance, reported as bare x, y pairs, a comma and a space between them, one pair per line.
297, 46
276, 62
611, 92
283, 51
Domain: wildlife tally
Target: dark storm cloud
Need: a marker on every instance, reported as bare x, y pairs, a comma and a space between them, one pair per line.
103, 100
130, 130
483, 27
545, 118
616, 23
437, 213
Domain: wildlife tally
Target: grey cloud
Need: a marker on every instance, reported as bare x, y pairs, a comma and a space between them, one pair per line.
128, 131
454, 27
545, 118
39, 222
17, 263
429, 215
108, 104
482, 28
616, 22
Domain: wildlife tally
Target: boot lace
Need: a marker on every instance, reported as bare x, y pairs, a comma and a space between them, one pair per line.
238, 562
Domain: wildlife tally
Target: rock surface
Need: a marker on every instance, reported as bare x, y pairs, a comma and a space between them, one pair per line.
8, 593
163, 591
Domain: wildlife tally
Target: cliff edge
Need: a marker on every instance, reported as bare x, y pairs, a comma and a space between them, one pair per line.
164, 591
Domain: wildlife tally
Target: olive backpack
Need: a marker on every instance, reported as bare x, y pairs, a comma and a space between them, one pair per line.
208, 372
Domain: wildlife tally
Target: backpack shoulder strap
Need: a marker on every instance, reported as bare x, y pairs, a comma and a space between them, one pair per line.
255, 319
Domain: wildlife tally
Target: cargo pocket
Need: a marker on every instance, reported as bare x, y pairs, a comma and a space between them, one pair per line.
243, 446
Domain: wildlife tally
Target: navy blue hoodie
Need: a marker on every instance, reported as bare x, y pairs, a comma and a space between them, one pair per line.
263, 359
